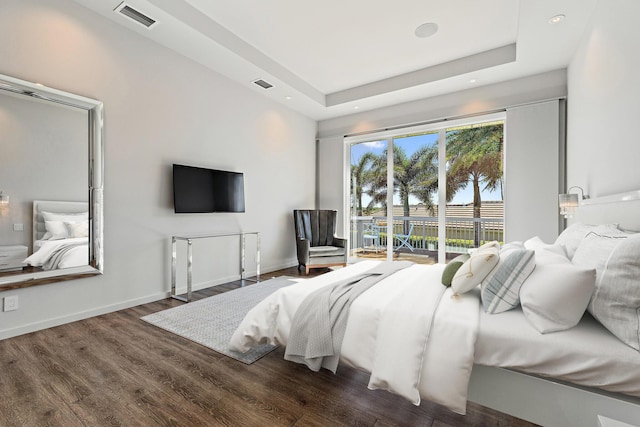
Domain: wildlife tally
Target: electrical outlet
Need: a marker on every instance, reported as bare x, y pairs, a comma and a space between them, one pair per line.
18, 227
11, 303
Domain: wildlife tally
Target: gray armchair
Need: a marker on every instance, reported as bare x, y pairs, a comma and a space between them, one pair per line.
316, 243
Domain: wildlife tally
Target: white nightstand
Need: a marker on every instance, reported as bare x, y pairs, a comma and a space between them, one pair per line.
11, 257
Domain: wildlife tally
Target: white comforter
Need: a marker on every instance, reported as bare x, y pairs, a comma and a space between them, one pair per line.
408, 331
75, 257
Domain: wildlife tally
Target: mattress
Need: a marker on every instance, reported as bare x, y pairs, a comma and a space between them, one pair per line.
587, 354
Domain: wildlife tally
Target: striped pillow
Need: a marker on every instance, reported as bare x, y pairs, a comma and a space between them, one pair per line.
501, 288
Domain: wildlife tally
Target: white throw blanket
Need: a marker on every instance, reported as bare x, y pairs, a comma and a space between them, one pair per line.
316, 334
63, 253
408, 331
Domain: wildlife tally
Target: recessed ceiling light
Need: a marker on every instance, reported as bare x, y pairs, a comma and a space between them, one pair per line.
356, 107
556, 19
472, 80
288, 97
426, 30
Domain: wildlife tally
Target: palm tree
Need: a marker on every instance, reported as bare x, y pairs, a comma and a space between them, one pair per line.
360, 177
415, 175
377, 182
475, 156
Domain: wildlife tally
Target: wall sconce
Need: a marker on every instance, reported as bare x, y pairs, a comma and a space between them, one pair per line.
4, 199
569, 202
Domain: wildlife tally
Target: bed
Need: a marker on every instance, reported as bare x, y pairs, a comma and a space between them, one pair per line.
579, 375
60, 235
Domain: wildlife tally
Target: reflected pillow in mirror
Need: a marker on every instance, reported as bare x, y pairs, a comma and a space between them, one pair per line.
77, 229
65, 217
54, 223
56, 230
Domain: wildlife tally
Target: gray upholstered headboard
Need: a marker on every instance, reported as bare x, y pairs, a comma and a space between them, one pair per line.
52, 206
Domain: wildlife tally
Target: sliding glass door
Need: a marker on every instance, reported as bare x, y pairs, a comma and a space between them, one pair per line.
392, 195
427, 193
415, 195
475, 183
368, 199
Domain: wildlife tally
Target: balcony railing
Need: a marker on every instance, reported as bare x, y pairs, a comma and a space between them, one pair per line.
461, 233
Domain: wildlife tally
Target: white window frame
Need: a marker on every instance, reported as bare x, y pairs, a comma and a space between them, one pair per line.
388, 136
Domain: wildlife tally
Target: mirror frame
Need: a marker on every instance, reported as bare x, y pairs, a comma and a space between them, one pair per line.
95, 112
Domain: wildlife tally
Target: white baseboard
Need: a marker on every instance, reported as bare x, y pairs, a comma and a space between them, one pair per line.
57, 321
61, 320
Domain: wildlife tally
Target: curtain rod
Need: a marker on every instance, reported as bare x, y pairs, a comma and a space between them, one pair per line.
448, 119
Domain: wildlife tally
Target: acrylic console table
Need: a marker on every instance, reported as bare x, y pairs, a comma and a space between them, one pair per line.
190, 238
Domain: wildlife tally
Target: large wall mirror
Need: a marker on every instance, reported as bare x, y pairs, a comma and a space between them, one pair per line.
51, 182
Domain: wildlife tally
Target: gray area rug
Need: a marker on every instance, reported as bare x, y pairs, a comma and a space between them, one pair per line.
212, 321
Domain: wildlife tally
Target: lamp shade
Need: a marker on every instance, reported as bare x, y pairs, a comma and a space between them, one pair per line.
568, 204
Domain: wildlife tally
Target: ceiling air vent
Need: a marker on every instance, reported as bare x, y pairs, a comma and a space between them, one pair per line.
263, 84
135, 15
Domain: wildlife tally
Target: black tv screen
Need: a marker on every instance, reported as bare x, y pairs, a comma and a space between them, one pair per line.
198, 190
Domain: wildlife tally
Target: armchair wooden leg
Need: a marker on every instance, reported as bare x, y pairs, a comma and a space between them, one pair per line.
307, 270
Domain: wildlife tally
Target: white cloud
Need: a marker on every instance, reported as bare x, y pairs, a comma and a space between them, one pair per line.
375, 144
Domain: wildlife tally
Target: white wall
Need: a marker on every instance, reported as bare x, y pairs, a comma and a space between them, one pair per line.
604, 102
160, 108
532, 171
330, 178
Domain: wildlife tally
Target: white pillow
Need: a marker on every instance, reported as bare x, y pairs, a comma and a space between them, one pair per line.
616, 300
77, 229
556, 294
492, 244
501, 288
474, 270
571, 237
552, 254
65, 217
54, 223
594, 250
536, 244
489, 245
56, 229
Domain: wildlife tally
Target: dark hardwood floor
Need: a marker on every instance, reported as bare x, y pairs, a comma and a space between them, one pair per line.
116, 370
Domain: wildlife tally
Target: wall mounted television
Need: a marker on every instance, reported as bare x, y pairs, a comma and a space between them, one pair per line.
199, 190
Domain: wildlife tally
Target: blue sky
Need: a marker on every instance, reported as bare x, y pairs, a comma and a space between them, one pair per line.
410, 145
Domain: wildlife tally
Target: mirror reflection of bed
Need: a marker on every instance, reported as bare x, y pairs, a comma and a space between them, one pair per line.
60, 235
